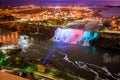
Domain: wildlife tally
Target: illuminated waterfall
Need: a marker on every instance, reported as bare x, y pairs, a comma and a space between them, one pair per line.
68, 35
73, 36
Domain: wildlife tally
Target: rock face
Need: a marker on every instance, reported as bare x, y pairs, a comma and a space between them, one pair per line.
101, 41
45, 32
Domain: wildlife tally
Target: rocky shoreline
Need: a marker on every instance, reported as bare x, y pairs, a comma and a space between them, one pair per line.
108, 41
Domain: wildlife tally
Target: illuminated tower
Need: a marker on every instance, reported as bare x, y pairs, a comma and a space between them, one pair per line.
57, 8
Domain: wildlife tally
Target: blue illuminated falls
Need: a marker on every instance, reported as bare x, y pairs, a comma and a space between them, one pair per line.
74, 36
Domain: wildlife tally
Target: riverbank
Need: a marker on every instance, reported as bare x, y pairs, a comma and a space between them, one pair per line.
32, 69
107, 40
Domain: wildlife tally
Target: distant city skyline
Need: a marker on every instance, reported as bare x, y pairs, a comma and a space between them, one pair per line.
60, 2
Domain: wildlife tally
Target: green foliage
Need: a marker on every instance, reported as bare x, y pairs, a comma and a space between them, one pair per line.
30, 68
2, 59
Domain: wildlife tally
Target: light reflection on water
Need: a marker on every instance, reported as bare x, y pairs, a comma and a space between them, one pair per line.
97, 61
107, 58
98, 68
92, 60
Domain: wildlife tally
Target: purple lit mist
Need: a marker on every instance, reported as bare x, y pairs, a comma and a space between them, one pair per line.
60, 2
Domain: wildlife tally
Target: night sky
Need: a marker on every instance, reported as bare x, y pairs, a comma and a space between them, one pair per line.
60, 2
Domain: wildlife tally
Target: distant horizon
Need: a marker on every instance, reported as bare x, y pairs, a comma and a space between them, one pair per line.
59, 2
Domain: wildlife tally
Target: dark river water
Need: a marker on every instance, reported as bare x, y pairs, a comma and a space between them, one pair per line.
89, 62
108, 11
